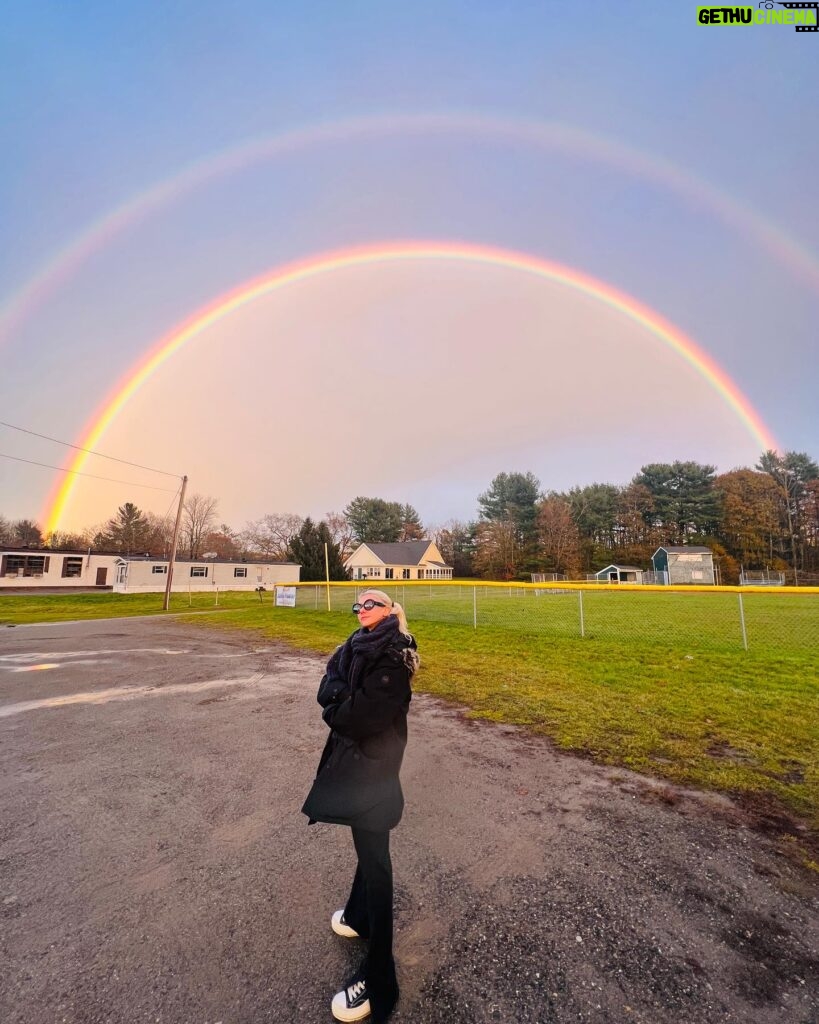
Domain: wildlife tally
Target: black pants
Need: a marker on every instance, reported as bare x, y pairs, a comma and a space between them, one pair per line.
369, 912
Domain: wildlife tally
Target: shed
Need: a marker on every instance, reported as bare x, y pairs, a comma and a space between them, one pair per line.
619, 574
685, 563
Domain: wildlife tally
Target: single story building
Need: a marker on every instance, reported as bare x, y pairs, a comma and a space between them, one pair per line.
42, 568
685, 563
403, 560
33, 568
145, 574
618, 574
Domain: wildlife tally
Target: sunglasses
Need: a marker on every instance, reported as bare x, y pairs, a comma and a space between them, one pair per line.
367, 606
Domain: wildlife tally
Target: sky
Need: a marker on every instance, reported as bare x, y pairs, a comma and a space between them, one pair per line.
160, 157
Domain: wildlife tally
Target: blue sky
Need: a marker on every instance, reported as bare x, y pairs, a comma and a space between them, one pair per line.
99, 101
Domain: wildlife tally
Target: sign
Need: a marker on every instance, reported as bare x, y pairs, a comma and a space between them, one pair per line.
286, 597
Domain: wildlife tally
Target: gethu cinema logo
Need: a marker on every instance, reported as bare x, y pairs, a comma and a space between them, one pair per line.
803, 16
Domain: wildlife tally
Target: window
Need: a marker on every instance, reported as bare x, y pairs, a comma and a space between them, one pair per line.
405, 574
240, 572
199, 570
25, 565
420, 574
696, 574
156, 569
388, 573
72, 568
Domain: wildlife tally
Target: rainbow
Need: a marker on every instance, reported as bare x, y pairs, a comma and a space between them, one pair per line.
20, 305
390, 252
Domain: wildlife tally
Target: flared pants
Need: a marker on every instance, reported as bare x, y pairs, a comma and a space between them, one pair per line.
369, 912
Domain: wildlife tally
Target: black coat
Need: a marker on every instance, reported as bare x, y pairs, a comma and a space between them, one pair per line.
365, 707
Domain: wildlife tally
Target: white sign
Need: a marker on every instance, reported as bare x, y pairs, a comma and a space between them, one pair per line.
286, 597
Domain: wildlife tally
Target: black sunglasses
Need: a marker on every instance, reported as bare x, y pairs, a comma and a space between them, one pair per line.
368, 606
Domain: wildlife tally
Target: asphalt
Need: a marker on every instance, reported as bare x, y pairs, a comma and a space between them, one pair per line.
155, 867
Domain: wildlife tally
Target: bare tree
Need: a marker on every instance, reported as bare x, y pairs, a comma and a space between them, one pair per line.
558, 536
199, 516
270, 536
340, 531
26, 533
6, 532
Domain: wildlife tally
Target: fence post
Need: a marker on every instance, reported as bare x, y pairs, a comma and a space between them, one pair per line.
474, 607
742, 623
582, 622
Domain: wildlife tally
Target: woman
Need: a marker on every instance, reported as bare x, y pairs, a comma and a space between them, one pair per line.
365, 694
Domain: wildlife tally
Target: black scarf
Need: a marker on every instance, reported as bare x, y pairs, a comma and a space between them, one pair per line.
364, 646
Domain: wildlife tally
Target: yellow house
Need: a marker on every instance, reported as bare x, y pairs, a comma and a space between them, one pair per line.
405, 560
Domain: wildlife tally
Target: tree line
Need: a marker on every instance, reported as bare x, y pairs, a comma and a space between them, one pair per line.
765, 517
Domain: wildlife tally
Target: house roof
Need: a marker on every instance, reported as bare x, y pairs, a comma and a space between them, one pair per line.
629, 568
690, 549
407, 552
439, 565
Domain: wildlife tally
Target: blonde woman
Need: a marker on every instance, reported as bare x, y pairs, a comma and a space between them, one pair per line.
365, 694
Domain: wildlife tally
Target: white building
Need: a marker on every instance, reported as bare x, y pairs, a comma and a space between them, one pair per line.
33, 568
143, 574
42, 568
405, 560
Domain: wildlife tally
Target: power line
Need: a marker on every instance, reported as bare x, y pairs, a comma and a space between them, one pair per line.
88, 451
76, 472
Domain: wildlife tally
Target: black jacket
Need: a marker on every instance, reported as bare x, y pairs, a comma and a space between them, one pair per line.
365, 707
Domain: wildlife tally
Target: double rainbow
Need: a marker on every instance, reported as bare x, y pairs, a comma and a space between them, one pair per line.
390, 252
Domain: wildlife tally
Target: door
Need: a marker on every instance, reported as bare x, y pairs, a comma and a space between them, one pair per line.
102, 575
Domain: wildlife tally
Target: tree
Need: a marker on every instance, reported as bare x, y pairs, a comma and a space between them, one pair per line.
411, 525
223, 542
199, 515
6, 533
456, 542
594, 510
685, 502
373, 520
26, 533
65, 541
128, 531
558, 536
512, 497
750, 521
307, 548
340, 531
792, 472
270, 536
497, 555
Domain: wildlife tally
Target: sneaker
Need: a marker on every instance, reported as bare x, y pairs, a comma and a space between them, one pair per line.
340, 927
352, 1003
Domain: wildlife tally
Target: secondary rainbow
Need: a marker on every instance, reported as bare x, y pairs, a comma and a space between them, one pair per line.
390, 252
16, 308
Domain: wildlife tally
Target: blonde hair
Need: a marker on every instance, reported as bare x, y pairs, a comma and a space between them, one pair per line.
394, 607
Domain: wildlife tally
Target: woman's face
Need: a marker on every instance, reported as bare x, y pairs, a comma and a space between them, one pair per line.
369, 619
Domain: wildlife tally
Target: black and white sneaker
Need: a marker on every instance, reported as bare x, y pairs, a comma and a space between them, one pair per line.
340, 926
352, 1003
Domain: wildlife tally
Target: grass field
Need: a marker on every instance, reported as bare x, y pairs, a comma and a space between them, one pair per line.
665, 689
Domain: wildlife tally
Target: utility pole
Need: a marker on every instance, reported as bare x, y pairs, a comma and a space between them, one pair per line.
169, 580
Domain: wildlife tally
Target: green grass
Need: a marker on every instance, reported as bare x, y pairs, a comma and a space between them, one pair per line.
21, 608
664, 689
745, 723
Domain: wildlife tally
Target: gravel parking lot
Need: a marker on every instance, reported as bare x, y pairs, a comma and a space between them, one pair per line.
156, 867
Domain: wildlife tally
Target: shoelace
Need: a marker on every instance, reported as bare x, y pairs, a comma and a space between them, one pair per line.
354, 991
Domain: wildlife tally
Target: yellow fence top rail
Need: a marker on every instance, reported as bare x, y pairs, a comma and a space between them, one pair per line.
675, 588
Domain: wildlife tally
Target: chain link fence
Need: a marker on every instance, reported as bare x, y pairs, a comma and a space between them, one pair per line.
703, 618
